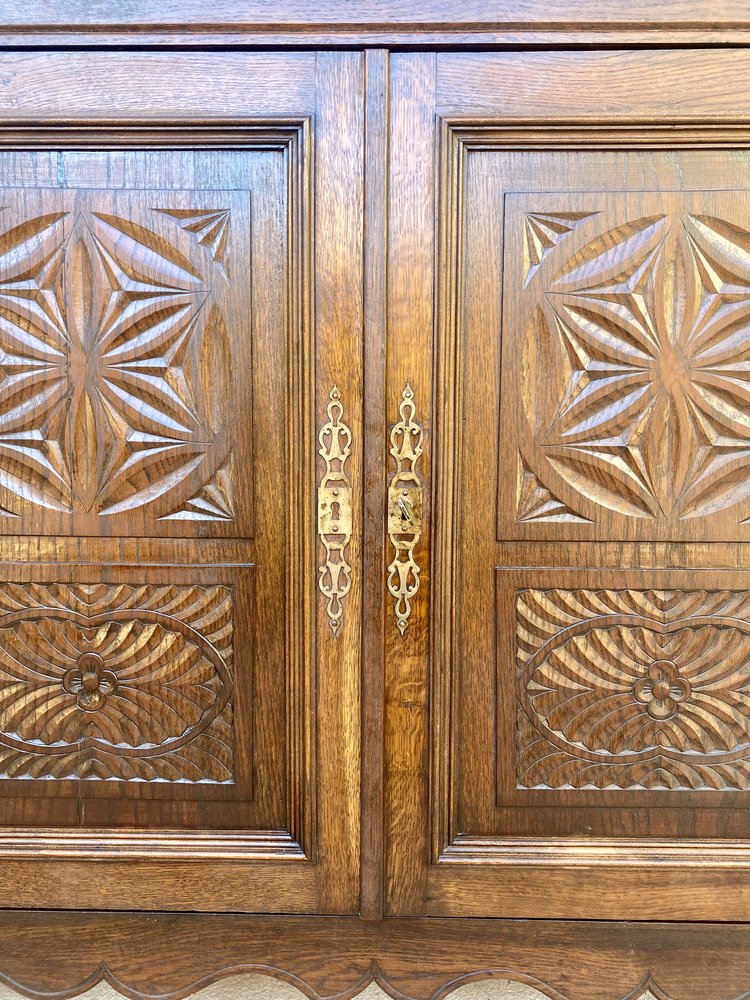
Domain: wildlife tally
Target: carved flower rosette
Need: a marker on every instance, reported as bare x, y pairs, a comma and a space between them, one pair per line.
631, 688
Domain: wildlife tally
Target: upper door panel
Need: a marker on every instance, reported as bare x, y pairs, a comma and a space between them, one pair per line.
127, 321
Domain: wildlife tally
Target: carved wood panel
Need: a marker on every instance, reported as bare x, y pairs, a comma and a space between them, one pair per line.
167, 308
122, 323
627, 315
633, 689
149, 327
116, 682
133, 704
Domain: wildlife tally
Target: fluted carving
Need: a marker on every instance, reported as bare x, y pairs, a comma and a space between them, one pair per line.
104, 681
633, 688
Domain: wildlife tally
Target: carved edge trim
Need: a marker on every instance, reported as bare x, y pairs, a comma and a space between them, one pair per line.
300, 470
441, 676
600, 852
334, 511
374, 974
67, 845
261, 133
406, 448
459, 136
428, 31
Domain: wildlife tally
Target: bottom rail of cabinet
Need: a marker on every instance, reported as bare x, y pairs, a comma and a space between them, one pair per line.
158, 955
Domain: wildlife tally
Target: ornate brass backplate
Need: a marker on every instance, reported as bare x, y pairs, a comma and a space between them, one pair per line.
335, 510
405, 509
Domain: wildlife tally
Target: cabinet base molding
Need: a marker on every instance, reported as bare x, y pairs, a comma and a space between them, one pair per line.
54, 955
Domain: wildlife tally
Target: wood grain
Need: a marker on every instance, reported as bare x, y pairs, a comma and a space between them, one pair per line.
552, 249
503, 226
440, 13
641, 86
339, 303
377, 97
411, 246
158, 286
174, 955
375, 22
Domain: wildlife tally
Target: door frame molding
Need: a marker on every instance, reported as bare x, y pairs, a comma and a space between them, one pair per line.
517, 870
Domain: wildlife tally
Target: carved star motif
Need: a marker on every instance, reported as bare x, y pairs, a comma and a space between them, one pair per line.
656, 332
131, 313
96, 406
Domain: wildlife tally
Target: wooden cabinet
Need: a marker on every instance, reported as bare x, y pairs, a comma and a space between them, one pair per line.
375, 495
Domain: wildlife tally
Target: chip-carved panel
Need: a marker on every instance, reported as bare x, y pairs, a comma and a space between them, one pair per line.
627, 333
115, 681
120, 327
633, 689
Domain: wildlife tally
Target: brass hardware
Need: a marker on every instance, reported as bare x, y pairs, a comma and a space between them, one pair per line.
335, 510
405, 509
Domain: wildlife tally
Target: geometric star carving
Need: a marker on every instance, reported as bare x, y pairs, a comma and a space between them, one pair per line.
210, 227
33, 358
536, 502
97, 410
131, 405
213, 502
654, 318
542, 233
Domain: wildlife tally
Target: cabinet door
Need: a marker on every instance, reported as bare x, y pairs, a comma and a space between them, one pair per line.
579, 736
178, 723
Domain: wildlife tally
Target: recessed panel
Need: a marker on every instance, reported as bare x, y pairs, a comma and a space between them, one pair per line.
117, 682
622, 704
125, 331
126, 699
603, 329
625, 390
150, 331
633, 688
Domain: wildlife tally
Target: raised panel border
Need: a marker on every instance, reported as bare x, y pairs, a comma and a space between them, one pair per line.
458, 138
292, 136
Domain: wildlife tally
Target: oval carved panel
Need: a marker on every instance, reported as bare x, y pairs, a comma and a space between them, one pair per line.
623, 688
128, 682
